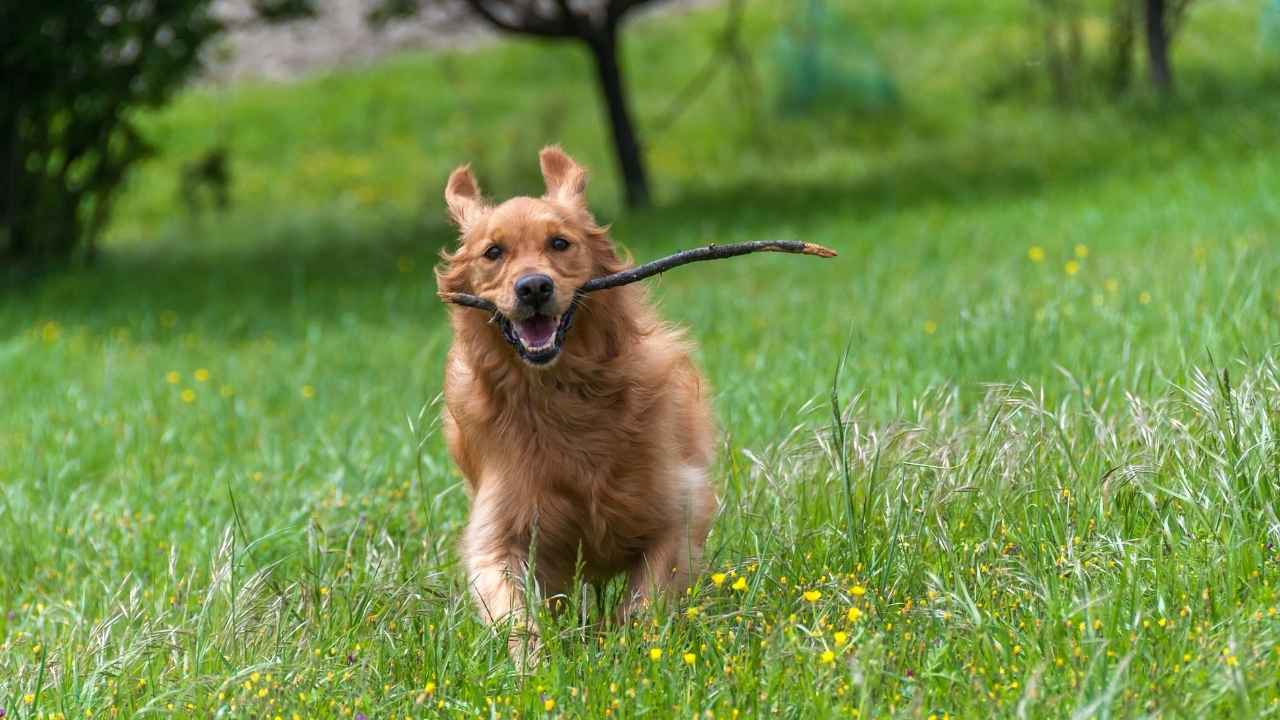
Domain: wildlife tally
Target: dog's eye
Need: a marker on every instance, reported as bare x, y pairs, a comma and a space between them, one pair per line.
559, 243
493, 253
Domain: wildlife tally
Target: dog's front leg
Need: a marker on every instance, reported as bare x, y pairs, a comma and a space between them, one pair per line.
665, 569
670, 562
498, 595
494, 574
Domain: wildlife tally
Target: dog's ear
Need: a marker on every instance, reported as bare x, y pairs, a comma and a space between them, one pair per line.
566, 180
462, 195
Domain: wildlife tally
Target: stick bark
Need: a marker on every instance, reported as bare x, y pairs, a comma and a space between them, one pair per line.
684, 257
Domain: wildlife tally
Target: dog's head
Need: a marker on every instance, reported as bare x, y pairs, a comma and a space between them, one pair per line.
528, 256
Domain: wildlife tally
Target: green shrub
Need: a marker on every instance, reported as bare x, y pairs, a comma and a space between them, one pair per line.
825, 64
1271, 25
74, 73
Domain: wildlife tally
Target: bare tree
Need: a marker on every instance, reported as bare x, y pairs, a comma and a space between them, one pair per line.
596, 24
1161, 20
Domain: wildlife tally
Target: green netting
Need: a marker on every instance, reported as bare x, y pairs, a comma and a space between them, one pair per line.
826, 65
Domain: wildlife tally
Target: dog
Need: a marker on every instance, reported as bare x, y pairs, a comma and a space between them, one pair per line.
580, 422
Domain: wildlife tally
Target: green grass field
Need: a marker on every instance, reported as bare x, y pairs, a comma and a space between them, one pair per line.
1043, 482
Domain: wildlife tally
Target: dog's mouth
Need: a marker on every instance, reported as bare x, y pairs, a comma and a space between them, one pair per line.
539, 337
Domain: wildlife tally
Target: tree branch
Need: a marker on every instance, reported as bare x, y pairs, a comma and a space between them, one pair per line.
567, 15
684, 257
729, 45
527, 23
618, 8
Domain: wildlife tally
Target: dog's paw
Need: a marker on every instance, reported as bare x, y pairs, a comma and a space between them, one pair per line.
525, 648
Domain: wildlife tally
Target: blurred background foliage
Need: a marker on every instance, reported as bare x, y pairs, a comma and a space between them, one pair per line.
1271, 25
827, 66
747, 93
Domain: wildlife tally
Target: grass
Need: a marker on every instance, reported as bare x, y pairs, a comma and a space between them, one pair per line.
1041, 482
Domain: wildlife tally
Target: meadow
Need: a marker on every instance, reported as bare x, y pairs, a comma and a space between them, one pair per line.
1013, 454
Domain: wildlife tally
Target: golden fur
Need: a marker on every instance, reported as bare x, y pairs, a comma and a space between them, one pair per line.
603, 454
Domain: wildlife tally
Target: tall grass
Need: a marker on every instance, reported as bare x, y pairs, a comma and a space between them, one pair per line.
1074, 558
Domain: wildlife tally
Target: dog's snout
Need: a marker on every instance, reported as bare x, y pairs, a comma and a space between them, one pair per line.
534, 289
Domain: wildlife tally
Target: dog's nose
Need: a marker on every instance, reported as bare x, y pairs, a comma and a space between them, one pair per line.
534, 289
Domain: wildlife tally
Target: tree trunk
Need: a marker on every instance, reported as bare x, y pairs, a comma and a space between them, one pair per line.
1158, 46
11, 243
1057, 66
1122, 22
604, 50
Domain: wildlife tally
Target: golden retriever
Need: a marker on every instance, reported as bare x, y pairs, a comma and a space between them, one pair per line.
581, 424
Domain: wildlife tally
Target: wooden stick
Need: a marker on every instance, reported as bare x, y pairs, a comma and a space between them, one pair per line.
474, 301
684, 257
710, 252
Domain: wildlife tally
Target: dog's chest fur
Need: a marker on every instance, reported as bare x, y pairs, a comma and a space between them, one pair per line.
575, 458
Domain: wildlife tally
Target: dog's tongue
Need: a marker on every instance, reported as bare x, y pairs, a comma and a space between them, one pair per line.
537, 331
